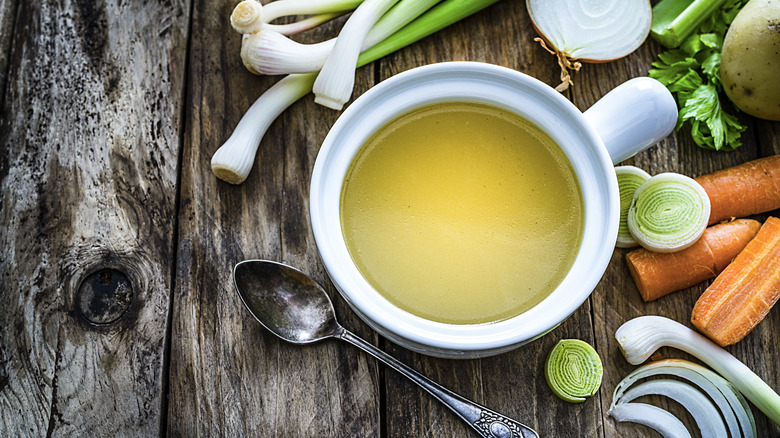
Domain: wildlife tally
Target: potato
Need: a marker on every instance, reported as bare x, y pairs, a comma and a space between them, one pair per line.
750, 59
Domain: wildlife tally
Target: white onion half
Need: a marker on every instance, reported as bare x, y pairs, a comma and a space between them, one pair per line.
591, 30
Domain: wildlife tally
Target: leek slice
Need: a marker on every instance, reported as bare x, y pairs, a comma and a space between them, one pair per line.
573, 370
669, 212
629, 179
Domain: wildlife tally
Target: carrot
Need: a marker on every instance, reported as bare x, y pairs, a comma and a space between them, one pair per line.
744, 292
743, 190
658, 274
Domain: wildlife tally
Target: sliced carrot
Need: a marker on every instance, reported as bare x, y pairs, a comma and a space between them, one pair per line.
658, 274
742, 295
743, 190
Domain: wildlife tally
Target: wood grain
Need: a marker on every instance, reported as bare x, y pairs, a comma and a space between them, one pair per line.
90, 137
228, 375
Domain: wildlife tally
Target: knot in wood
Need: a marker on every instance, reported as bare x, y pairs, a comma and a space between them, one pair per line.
104, 296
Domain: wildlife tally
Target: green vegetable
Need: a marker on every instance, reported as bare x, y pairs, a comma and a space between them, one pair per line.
692, 73
675, 20
669, 212
573, 370
629, 179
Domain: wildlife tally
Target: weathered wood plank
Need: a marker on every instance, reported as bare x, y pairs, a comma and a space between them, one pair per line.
90, 141
228, 375
7, 18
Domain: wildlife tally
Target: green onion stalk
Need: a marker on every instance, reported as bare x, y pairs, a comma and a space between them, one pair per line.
233, 161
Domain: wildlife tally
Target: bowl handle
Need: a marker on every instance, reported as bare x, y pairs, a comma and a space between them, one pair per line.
633, 116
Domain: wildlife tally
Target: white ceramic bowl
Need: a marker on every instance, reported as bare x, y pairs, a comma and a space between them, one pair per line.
630, 118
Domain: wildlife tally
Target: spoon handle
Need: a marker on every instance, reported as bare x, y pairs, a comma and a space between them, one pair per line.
487, 423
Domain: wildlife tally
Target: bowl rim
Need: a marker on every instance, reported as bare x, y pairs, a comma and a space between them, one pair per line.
337, 148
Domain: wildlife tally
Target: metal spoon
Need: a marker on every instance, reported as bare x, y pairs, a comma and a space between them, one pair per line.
295, 308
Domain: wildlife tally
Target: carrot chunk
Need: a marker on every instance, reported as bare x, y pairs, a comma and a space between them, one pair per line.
743, 190
658, 274
742, 295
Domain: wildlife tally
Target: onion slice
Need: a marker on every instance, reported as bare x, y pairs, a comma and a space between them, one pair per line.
732, 405
706, 415
590, 31
651, 416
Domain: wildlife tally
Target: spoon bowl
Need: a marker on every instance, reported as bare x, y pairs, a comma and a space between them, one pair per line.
286, 301
295, 308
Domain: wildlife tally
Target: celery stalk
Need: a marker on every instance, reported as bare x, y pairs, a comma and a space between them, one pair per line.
676, 20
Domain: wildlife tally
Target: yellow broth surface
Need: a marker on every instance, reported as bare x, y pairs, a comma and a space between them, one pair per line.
462, 213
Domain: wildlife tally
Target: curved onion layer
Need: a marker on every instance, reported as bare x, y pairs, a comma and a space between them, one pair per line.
669, 213
732, 405
651, 416
629, 179
703, 411
573, 370
592, 31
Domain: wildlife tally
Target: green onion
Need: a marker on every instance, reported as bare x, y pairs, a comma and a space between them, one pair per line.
333, 86
669, 212
233, 161
629, 179
269, 52
675, 20
573, 370
250, 16
642, 336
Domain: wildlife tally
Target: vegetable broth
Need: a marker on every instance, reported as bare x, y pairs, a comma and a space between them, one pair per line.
462, 213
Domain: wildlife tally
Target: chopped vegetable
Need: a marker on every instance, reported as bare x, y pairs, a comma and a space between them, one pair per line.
733, 407
593, 31
743, 190
692, 73
629, 179
660, 420
656, 274
233, 161
703, 411
744, 292
669, 213
675, 20
573, 370
642, 336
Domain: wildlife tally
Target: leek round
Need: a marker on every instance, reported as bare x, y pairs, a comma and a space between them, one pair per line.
573, 370
591, 31
669, 213
629, 179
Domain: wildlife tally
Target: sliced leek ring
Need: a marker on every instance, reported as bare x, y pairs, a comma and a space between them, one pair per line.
669, 212
629, 179
573, 370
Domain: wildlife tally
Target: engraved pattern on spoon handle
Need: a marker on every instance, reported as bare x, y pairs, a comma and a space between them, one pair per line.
487, 423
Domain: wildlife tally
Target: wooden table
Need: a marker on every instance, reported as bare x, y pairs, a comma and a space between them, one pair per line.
119, 316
